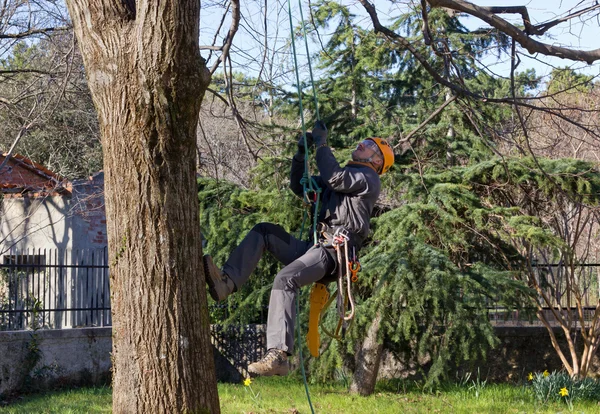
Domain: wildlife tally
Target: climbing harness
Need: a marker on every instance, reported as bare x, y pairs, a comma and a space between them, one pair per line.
347, 273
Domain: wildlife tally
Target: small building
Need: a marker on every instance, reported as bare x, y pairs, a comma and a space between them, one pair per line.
52, 248
42, 210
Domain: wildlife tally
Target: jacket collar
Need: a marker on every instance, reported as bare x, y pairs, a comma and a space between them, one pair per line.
358, 163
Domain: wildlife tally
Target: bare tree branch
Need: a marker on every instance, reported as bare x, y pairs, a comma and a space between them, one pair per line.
22, 132
520, 36
33, 32
458, 90
235, 23
544, 27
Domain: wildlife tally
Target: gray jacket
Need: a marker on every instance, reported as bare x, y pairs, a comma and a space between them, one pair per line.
348, 194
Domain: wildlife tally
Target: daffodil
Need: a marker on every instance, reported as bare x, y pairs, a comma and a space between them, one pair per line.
564, 392
247, 382
530, 376
546, 373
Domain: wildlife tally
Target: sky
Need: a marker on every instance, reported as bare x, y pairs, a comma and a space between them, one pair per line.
248, 51
577, 34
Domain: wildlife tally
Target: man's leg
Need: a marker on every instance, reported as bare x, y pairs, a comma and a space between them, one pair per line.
244, 259
263, 237
309, 268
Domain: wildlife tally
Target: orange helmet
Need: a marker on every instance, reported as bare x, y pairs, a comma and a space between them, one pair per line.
386, 151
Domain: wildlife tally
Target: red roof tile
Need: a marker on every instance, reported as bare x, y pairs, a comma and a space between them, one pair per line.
22, 176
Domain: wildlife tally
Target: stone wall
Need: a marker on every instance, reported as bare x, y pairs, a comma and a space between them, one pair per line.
521, 350
32, 361
44, 358
527, 349
47, 358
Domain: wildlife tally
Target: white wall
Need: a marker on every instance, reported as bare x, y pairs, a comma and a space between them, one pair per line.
44, 222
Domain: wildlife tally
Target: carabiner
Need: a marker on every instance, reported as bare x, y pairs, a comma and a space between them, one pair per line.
354, 269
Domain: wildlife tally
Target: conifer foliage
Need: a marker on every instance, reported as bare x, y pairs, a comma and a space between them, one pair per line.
461, 243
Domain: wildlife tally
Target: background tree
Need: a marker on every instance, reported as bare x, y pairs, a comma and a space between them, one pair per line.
229, 145
47, 92
558, 200
574, 134
147, 80
43, 91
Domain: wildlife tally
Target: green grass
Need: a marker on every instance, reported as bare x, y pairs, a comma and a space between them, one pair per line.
74, 401
287, 395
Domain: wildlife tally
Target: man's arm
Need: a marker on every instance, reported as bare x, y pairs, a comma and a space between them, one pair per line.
343, 180
339, 179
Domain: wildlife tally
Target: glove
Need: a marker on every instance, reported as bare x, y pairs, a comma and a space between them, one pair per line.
309, 142
319, 134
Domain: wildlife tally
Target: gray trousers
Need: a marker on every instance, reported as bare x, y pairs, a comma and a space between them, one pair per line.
304, 264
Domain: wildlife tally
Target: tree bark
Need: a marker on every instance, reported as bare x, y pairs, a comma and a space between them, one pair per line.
367, 360
147, 79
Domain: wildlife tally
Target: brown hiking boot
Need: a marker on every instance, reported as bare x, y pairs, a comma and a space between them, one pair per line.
275, 362
219, 284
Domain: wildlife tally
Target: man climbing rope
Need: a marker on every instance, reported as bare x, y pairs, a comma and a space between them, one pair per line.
349, 195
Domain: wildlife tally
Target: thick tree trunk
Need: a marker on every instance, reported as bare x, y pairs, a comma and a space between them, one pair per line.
368, 358
147, 79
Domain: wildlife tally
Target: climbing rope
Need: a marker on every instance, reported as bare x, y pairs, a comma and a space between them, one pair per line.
344, 296
299, 334
309, 185
311, 189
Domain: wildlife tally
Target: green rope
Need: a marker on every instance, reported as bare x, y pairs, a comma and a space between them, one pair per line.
299, 334
312, 410
309, 185
312, 81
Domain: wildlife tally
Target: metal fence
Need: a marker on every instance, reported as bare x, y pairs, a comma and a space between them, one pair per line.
239, 344
558, 283
54, 289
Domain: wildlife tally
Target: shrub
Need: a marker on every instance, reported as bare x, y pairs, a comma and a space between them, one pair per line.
559, 386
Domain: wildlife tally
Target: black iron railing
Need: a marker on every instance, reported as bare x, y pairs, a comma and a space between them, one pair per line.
54, 289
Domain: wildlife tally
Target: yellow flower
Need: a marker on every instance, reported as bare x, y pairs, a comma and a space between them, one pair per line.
530, 377
564, 392
546, 373
247, 382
